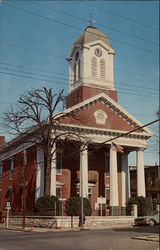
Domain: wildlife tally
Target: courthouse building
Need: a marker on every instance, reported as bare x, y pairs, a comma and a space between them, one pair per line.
99, 172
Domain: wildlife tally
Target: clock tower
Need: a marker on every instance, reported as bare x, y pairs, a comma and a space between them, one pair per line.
91, 69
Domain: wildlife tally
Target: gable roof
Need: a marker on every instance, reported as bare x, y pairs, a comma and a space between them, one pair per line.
114, 106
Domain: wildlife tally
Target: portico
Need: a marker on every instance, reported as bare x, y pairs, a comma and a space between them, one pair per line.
98, 172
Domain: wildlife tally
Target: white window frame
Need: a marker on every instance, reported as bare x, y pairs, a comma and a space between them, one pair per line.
1, 172
107, 189
59, 170
11, 168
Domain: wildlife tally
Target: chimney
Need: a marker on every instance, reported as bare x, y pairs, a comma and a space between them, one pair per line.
2, 141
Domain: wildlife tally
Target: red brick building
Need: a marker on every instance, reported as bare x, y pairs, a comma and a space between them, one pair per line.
99, 118
151, 181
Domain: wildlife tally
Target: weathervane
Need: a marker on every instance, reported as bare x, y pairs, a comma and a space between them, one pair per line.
91, 21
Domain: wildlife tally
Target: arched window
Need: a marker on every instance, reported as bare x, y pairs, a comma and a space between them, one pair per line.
102, 68
94, 67
74, 72
79, 70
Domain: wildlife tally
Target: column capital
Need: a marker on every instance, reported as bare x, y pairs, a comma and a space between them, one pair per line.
140, 149
83, 146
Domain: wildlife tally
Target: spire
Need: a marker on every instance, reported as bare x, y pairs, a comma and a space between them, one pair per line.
91, 21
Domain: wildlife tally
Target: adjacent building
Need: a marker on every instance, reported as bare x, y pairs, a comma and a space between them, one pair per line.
151, 181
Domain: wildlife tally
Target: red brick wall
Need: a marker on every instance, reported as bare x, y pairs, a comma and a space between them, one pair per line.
70, 177
83, 93
86, 117
2, 141
17, 180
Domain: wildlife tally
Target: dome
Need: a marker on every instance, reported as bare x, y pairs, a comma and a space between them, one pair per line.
92, 34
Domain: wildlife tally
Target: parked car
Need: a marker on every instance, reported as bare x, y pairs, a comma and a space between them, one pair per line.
151, 219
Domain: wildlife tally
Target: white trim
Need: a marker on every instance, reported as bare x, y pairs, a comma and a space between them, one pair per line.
59, 184
90, 185
62, 199
88, 45
15, 151
103, 97
103, 130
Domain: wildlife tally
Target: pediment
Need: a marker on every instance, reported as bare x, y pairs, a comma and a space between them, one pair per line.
102, 112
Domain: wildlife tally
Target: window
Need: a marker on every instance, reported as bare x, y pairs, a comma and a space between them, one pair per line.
89, 193
102, 68
146, 180
59, 192
90, 188
11, 169
1, 170
74, 72
153, 179
106, 164
79, 72
94, 67
59, 162
107, 197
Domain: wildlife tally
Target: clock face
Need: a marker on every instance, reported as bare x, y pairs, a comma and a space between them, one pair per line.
98, 52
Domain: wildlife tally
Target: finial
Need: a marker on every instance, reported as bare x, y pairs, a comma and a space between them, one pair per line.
91, 21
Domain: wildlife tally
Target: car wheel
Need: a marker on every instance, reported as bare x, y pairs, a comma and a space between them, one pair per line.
151, 222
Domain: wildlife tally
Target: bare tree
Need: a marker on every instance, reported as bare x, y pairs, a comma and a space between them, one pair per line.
35, 119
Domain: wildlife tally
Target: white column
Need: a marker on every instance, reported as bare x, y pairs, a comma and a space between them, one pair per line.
123, 182
53, 172
125, 179
140, 173
84, 171
39, 190
113, 183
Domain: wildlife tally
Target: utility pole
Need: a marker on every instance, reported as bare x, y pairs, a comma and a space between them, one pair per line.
24, 187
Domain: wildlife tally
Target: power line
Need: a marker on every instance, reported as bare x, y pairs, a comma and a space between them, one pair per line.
74, 27
121, 16
60, 73
66, 79
27, 49
136, 129
135, 73
85, 20
64, 83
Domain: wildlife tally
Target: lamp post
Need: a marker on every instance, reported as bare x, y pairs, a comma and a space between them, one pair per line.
82, 212
81, 189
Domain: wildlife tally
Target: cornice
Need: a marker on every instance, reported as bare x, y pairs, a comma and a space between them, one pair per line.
103, 132
112, 105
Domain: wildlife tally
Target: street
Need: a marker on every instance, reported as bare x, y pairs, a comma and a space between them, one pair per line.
106, 239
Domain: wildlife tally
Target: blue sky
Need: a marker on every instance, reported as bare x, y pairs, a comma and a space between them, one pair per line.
36, 38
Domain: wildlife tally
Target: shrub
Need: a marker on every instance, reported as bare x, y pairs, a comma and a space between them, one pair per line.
48, 205
155, 203
73, 206
145, 205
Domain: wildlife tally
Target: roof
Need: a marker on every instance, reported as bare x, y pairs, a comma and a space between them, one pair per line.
113, 106
92, 34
